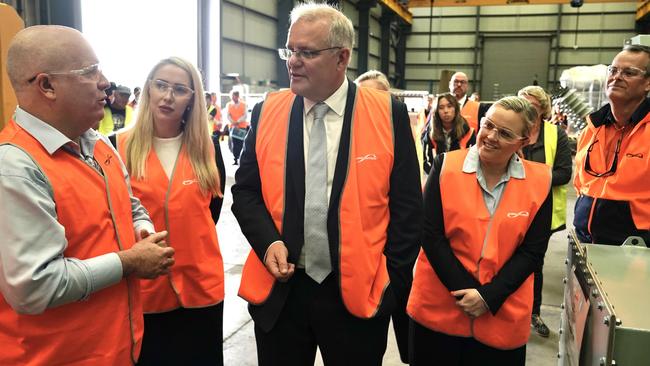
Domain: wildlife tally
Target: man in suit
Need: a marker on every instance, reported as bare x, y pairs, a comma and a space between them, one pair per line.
471, 110
328, 195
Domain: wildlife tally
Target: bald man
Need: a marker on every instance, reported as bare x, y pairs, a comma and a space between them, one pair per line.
69, 260
470, 110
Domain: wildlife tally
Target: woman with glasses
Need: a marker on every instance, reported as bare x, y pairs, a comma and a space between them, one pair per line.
178, 173
548, 143
487, 217
446, 130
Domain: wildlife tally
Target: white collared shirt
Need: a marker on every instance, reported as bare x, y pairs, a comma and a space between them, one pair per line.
333, 127
515, 170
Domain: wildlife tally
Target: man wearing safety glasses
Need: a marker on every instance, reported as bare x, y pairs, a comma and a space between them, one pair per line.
612, 157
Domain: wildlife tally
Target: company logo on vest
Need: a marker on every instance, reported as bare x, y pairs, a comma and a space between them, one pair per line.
512, 215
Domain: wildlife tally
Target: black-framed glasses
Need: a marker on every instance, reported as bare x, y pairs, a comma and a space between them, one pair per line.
612, 167
92, 72
626, 72
285, 53
178, 90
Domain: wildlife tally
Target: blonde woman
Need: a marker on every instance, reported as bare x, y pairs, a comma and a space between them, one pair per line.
472, 292
177, 172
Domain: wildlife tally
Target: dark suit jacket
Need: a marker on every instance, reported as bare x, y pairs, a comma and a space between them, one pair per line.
405, 206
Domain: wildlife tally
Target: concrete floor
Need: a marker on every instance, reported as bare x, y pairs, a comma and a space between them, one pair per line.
239, 339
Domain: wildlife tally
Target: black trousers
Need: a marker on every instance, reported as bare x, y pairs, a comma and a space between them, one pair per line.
183, 337
428, 348
537, 288
314, 315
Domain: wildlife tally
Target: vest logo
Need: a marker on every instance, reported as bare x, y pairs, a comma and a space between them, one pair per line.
108, 160
629, 155
361, 159
512, 215
189, 181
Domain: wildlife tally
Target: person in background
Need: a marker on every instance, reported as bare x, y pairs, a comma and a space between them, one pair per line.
612, 172
548, 144
136, 97
178, 173
214, 117
445, 131
237, 118
118, 114
471, 110
472, 291
328, 196
74, 240
373, 79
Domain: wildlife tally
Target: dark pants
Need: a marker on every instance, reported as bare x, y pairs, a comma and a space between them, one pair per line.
430, 348
183, 337
314, 315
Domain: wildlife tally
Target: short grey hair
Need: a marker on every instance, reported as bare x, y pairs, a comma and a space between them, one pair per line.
341, 32
523, 108
638, 48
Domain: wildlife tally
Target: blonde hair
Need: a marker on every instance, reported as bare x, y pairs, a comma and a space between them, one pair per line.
540, 95
523, 108
376, 75
196, 138
341, 32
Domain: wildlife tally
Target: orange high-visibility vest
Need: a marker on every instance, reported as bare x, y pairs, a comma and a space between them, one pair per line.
630, 183
106, 329
196, 279
483, 244
363, 211
462, 142
470, 113
236, 111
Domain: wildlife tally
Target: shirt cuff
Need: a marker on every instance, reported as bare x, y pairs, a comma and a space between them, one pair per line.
105, 270
267, 249
484, 302
143, 225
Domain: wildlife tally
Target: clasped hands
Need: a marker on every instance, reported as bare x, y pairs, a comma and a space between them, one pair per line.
470, 301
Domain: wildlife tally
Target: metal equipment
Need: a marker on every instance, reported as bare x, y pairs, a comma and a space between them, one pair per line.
604, 314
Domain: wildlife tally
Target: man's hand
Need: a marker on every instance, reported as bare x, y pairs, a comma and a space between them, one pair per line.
148, 258
276, 262
470, 301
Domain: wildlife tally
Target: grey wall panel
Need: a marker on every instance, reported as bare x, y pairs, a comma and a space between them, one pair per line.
260, 64
512, 63
603, 22
603, 28
233, 22
260, 31
518, 24
444, 24
610, 39
232, 57
440, 56
266, 7
456, 40
582, 57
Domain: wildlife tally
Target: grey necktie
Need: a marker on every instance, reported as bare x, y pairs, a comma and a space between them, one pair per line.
317, 252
